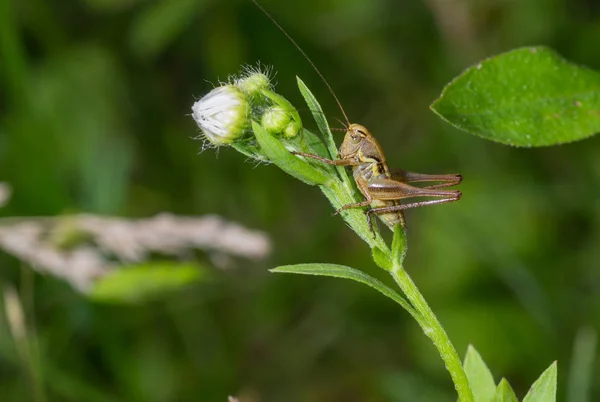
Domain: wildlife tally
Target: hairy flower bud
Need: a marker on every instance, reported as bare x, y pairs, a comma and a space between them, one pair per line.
253, 82
275, 119
222, 115
292, 129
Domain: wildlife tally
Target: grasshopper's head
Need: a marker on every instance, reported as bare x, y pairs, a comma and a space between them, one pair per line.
359, 144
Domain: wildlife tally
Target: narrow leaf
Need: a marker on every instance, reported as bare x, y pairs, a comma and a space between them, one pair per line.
480, 378
504, 393
286, 161
341, 271
319, 116
527, 97
323, 126
544, 389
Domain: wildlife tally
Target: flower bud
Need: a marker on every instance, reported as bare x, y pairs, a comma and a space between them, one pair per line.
253, 82
275, 119
222, 115
292, 129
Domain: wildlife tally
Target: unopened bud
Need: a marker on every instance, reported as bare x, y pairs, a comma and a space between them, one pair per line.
275, 119
292, 129
222, 115
253, 83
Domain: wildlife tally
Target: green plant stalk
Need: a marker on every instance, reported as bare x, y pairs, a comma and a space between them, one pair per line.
434, 331
340, 192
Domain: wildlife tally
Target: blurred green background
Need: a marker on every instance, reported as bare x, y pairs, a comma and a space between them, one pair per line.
95, 97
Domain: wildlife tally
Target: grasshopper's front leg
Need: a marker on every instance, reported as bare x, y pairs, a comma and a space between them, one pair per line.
336, 162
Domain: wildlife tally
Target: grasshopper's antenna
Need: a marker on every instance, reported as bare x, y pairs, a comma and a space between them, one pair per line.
305, 56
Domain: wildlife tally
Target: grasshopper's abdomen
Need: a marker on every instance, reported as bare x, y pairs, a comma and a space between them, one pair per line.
390, 218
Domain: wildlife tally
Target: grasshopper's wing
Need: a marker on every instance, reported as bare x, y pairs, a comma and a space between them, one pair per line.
388, 189
446, 180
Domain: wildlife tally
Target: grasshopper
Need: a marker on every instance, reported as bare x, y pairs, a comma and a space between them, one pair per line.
382, 187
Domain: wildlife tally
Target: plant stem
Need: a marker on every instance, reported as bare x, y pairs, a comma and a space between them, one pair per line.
434, 330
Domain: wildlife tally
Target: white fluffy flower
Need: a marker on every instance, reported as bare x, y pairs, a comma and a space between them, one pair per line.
222, 114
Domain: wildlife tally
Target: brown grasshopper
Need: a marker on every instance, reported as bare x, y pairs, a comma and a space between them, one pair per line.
382, 188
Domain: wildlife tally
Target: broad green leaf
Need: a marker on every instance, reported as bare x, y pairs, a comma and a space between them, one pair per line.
527, 97
544, 388
504, 393
286, 161
139, 283
480, 378
341, 271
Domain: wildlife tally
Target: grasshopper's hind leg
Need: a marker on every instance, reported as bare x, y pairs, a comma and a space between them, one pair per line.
393, 190
446, 180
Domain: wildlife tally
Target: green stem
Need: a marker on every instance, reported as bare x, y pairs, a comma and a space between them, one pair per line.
434, 330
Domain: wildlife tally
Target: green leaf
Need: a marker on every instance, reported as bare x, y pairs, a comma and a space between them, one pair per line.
480, 378
250, 150
319, 116
544, 389
314, 143
527, 97
399, 245
139, 283
341, 271
323, 126
504, 393
382, 259
286, 161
